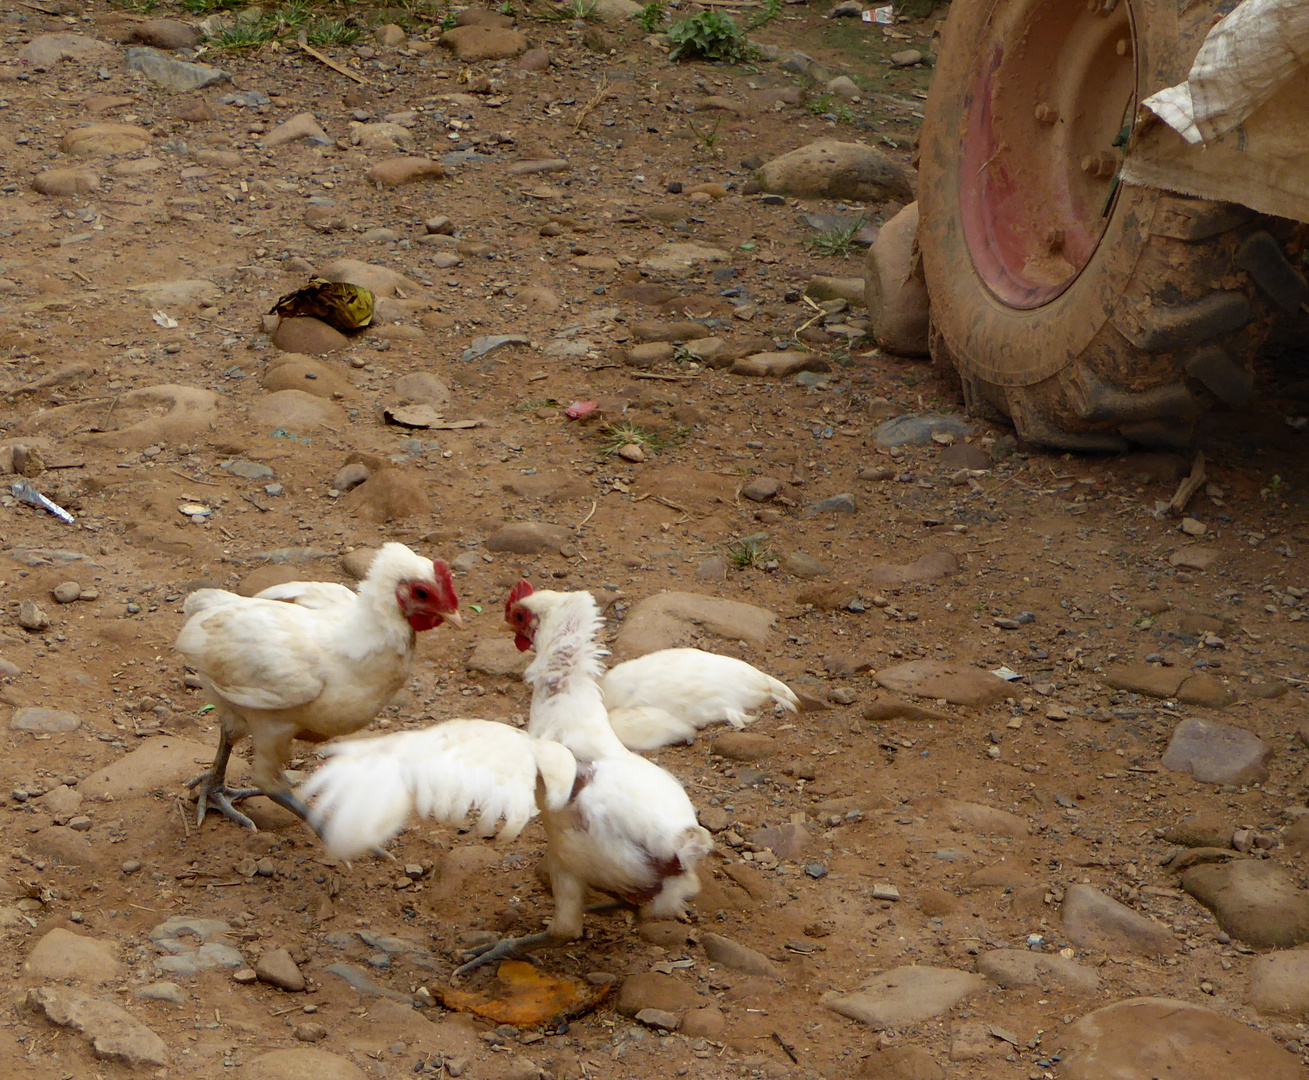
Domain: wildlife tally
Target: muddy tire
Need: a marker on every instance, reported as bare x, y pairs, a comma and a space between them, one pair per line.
1091, 315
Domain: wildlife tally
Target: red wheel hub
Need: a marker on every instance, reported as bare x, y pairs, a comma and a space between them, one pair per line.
1053, 84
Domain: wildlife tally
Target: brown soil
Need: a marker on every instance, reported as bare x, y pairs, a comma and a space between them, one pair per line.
1073, 541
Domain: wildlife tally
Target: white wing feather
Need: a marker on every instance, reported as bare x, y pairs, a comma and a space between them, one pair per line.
368, 788
316, 595
258, 654
692, 689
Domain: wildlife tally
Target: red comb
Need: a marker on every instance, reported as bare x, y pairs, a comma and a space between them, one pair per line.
522, 589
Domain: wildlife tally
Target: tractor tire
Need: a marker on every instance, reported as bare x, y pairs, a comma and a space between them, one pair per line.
1091, 315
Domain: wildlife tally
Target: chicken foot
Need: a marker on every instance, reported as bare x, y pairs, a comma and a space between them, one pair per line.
216, 795
509, 948
214, 791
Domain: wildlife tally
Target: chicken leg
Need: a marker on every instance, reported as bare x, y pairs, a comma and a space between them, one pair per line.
566, 926
214, 791
510, 948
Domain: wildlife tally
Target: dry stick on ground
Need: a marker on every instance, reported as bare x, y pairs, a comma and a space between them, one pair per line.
1188, 487
589, 107
330, 62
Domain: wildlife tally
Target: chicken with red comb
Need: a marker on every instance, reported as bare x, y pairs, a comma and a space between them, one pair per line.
518, 617
667, 696
307, 660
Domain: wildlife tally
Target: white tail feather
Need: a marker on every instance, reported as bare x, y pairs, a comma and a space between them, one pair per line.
368, 788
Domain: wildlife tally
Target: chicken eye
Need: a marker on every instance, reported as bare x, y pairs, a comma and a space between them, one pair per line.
421, 593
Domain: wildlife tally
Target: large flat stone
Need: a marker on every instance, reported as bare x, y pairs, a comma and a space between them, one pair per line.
906, 995
1093, 920
1159, 682
114, 1034
162, 763
1153, 1038
1218, 753
1255, 901
942, 680
1279, 983
1009, 968
671, 619
63, 955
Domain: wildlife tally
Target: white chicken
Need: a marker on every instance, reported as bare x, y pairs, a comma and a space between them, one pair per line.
613, 820
307, 660
667, 696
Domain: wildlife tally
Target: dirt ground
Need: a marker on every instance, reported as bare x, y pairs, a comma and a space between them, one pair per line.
1072, 764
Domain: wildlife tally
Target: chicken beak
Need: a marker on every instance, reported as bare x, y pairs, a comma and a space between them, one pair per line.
453, 618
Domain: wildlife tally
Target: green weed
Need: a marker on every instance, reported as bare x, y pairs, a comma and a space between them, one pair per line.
748, 551
624, 433
709, 36
652, 16
835, 243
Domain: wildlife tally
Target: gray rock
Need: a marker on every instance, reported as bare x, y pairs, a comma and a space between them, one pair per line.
788, 842
761, 488
360, 980
671, 619
480, 346
46, 50
906, 995
805, 567
837, 504
276, 968
1154, 1037
847, 9
1279, 983
66, 592
829, 168
843, 87
732, 954
1255, 901
658, 1019
941, 680
177, 75
61, 801
36, 718
422, 388
188, 960
918, 430
529, 538
714, 818
248, 470
31, 616
114, 1034
349, 477
1218, 753
302, 126
1009, 968
1093, 920
906, 58
161, 991
498, 656
63, 956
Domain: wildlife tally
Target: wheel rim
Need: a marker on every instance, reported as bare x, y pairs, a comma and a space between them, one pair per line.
1054, 83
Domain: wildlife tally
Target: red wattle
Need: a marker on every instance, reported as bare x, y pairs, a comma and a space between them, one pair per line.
523, 642
424, 620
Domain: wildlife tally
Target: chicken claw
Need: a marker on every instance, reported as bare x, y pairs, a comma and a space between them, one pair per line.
509, 948
220, 797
